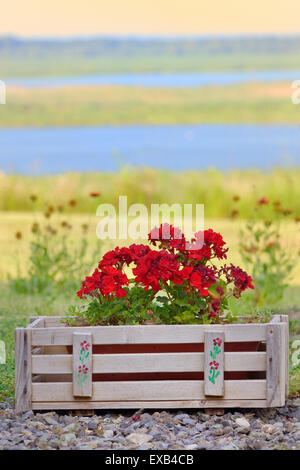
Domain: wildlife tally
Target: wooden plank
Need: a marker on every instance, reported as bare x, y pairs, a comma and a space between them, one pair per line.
82, 365
275, 365
22, 369
165, 362
214, 363
150, 390
145, 334
98, 405
285, 320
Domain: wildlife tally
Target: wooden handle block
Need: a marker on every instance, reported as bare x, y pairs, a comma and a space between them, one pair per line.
214, 363
82, 365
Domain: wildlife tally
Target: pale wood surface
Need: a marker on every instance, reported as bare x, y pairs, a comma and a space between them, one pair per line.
275, 364
104, 405
150, 390
165, 362
22, 369
214, 355
285, 319
144, 334
82, 365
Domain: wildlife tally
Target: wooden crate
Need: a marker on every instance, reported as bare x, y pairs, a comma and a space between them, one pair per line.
151, 366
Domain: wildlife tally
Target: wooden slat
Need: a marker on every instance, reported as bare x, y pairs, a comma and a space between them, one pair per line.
275, 365
104, 405
166, 362
22, 369
214, 363
82, 364
285, 320
150, 390
144, 334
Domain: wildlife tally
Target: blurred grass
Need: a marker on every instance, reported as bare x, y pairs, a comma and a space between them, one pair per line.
108, 105
213, 188
47, 64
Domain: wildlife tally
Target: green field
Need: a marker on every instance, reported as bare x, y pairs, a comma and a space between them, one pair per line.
99, 55
112, 105
72, 65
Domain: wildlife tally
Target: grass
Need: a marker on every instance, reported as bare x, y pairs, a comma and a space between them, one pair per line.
43, 64
213, 188
112, 105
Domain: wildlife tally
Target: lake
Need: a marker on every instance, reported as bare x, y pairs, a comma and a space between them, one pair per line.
160, 79
176, 147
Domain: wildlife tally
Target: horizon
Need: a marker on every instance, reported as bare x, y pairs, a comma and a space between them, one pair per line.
134, 36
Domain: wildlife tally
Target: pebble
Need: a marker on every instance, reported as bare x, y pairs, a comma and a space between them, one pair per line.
261, 429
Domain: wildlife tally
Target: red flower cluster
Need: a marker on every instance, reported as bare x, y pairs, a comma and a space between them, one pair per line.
158, 267
239, 277
177, 262
109, 281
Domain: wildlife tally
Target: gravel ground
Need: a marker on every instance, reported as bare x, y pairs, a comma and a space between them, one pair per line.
257, 429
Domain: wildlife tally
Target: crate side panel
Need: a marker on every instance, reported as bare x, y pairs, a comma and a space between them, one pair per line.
150, 390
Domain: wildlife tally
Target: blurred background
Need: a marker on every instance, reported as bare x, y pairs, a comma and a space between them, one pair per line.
173, 102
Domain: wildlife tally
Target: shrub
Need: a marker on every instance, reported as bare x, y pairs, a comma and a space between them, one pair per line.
55, 261
264, 254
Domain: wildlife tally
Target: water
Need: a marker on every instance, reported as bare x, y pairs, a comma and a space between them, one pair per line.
160, 79
176, 147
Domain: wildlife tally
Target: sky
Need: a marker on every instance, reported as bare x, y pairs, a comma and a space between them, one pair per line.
148, 17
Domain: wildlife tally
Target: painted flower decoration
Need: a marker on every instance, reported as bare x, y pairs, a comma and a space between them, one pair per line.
217, 342
85, 346
83, 369
214, 365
